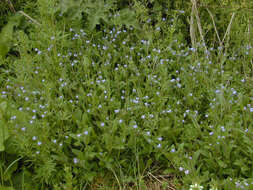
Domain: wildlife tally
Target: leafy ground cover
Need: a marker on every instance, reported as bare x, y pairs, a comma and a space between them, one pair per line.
115, 96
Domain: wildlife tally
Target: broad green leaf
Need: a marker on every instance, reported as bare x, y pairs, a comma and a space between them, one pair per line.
6, 35
9, 145
196, 155
127, 17
96, 14
71, 8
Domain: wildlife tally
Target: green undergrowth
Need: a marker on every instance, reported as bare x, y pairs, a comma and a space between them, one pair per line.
116, 92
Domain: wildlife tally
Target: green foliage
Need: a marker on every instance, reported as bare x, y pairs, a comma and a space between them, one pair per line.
7, 34
93, 13
4, 134
97, 11
6, 188
113, 90
6, 11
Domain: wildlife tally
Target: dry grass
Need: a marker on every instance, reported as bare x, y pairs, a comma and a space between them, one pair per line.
160, 182
150, 182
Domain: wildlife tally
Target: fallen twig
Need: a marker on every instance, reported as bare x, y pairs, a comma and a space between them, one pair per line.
159, 180
30, 18
216, 31
192, 29
11, 6
199, 23
228, 28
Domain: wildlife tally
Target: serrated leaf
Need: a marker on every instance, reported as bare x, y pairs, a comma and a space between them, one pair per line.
96, 14
127, 17
72, 8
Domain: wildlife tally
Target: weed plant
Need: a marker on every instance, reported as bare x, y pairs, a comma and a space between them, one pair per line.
119, 98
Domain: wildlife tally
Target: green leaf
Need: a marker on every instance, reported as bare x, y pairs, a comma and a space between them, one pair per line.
3, 135
21, 180
78, 153
77, 116
221, 163
9, 172
71, 8
3, 106
127, 17
90, 175
7, 34
96, 13
9, 145
6, 188
86, 60
3, 129
196, 155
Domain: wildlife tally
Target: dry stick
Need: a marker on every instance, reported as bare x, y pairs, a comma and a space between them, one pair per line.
26, 15
192, 29
159, 180
228, 28
117, 179
216, 31
11, 6
198, 22
165, 179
